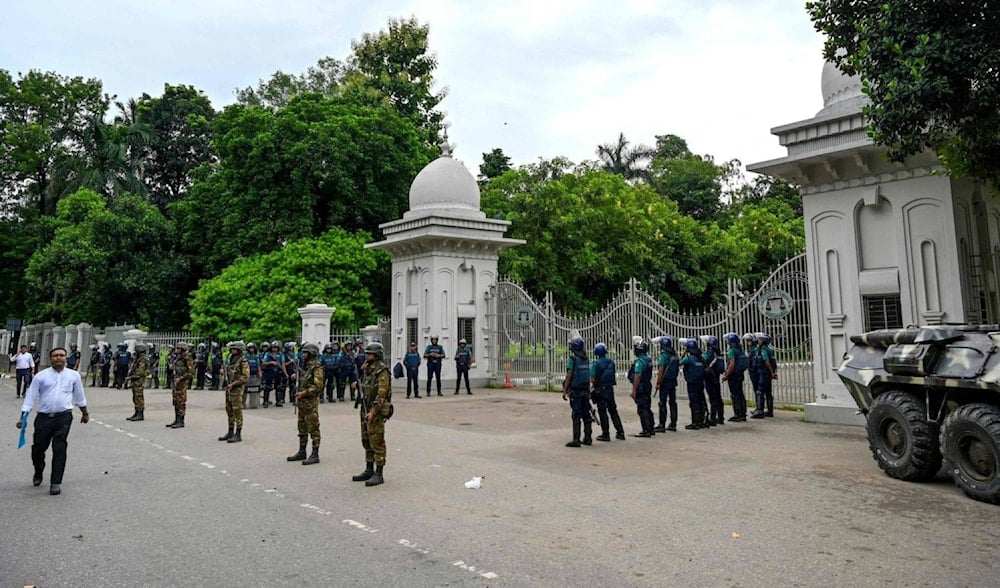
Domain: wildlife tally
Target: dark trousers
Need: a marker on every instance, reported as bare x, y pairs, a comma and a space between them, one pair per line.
433, 369
735, 382
23, 380
329, 383
52, 430
120, 373
668, 399
696, 399
606, 405
215, 375
463, 372
270, 381
413, 382
764, 382
279, 389
156, 376
755, 383
714, 390
199, 370
644, 408
342, 383
105, 375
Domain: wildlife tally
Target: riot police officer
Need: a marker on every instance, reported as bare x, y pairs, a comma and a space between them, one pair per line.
215, 363
715, 366
602, 382
154, 364
668, 368
347, 371
694, 375
270, 366
122, 360
463, 361
434, 353
642, 386
768, 372
576, 386
200, 363
329, 362
290, 369
73, 357
411, 361
736, 365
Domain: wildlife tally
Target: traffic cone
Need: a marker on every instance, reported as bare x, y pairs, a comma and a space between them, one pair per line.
507, 382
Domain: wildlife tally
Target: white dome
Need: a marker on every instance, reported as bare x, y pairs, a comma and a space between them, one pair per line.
444, 184
841, 93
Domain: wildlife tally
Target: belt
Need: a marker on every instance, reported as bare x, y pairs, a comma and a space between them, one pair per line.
52, 415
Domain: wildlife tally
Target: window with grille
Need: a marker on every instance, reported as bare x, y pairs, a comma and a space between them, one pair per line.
465, 330
883, 312
411, 332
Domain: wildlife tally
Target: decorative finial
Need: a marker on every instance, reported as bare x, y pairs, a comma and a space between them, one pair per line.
446, 148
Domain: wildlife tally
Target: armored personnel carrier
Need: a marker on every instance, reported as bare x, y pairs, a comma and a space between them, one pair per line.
931, 394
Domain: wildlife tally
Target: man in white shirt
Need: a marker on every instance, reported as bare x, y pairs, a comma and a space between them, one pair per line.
56, 389
24, 363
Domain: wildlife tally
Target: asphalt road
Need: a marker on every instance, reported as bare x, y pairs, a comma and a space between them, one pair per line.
765, 503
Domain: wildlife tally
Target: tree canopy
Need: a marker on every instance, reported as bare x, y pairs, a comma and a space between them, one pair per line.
930, 70
257, 297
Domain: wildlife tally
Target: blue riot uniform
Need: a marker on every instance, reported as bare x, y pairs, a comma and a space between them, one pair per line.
347, 374
463, 361
602, 377
694, 376
642, 386
271, 373
434, 353
328, 360
713, 388
577, 386
411, 361
736, 366
669, 363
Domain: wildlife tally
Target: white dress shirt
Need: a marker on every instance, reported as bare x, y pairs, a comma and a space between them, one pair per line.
56, 391
23, 361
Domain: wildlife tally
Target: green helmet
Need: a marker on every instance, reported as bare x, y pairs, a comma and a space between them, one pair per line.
141, 348
376, 349
311, 348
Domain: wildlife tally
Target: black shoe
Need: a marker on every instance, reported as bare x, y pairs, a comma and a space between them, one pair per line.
171, 425
376, 478
298, 456
734, 419
605, 437
227, 436
573, 443
440, 394
660, 429
672, 427
620, 436
692, 427
416, 396
178, 424
36, 480
136, 416
237, 438
587, 441
314, 458
757, 415
720, 421
279, 404
469, 393
643, 434
769, 414
365, 475
408, 397
456, 392
54, 489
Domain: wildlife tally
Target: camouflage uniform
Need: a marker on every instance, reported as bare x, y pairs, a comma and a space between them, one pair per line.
137, 374
237, 375
183, 372
310, 388
376, 387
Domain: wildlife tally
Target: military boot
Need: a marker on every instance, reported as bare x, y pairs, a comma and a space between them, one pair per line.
302, 451
376, 478
237, 438
176, 417
314, 458
227, 436
365, 475
586, 433
576, 435
136, 416
179, 423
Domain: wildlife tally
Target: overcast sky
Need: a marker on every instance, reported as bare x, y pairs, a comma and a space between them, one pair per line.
538, 78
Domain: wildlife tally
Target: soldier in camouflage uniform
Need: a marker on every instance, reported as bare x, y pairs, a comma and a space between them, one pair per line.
183, 371
376, 407
307, 401
136, 379
237, 375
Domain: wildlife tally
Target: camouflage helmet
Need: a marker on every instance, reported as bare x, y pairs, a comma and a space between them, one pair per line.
310, 348
238, 346
141, 348
182, 345
375, 349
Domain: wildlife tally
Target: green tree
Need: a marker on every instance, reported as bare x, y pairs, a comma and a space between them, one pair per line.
257, 297
929, 69
624, 159
495, 163
18, 240
180, 127
107, 262
42, 118
323, 78
110, 160
395, 67
695, 183
296, 172
589, 231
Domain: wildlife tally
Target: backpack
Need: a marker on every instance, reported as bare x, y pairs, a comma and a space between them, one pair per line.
397, 370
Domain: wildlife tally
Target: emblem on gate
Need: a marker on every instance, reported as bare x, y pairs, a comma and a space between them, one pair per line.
523, 317
775, 304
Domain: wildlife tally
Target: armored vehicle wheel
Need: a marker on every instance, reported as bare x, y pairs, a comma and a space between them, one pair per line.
969, 441
903, 443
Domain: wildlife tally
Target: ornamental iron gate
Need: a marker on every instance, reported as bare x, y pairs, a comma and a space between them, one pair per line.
529, 340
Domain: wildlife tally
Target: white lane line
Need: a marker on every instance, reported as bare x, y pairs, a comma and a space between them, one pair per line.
132, 435
207, 465
187, 457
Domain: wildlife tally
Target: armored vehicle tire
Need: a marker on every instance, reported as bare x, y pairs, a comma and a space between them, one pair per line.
969, 441
903, 443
